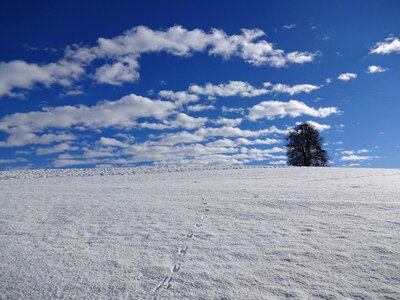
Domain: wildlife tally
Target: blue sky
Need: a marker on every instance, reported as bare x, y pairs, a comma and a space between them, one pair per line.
114, 83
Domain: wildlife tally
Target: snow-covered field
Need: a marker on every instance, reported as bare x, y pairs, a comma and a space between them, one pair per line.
234, 233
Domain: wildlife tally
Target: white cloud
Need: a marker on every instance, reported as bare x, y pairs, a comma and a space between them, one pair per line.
228, 121
351, 152
56, 149
179, 138
292, 90
222, 143
376, 69
267, 141
339, 127
328, 80
180, 97
255, 154
318, 126
104, 141
354, 165
389, 45
181, 148
272, 109
238, 110
71, 92
22, 75
118, 57
290, 26
181, 120
12, 160
176, 152
301, 57
363, 151
200, 107
278, 162
154, 126
25, 138
120, 113
188, 122
347, 76
101, 152
228, 131
224, 132
232, 88
244, 89
355, 158
348, 152
117, 73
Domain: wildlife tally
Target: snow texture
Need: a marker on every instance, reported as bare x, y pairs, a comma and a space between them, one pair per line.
217, 233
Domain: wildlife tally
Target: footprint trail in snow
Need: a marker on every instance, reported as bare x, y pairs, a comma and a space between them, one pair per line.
182, 251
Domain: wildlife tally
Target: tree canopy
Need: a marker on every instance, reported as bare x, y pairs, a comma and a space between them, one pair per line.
304, 147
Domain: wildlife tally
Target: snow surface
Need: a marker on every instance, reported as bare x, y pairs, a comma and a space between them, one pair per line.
233, 233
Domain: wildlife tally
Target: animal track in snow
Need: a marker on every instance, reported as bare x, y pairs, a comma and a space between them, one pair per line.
165, 283
175, 268
183, 250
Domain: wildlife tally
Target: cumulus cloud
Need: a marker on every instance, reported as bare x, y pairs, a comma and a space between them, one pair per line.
267, 141
22, 75
389, 45
376, 69
347, 76
118, 57
105, 141
200, 107
180, 97
292, 90
208, 145
188, 122
232, 88
223, 132
244, 89
117, 73
228, 131
172, 150
181, 120
28, 138
180, 41
122, 113
297, 57
182, 137
278, 109
63, 147
228, 121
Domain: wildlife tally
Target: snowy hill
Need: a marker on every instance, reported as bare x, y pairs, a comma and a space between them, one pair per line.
170, 233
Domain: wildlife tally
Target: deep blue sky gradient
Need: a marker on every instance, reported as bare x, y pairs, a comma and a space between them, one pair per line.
343, 32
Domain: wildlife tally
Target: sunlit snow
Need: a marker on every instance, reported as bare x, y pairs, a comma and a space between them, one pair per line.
210, 233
